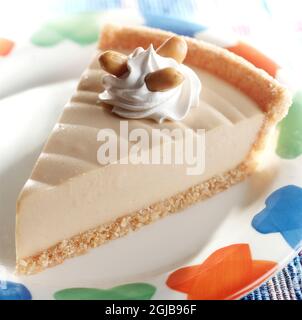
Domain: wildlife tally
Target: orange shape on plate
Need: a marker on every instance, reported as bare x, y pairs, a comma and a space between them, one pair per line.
5, 46
225, 274
254, 56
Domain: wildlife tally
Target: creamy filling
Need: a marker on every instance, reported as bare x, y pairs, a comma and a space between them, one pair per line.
131, 98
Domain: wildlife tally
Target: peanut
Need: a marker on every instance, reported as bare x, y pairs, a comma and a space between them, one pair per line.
114, 62
163, 79
175, 47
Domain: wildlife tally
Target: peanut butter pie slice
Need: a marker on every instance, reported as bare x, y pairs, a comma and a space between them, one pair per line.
157, 123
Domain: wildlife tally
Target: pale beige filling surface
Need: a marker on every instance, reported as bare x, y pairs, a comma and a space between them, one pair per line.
69, 192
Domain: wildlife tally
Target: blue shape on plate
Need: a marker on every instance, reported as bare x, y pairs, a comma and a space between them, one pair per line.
14, 291
283, 213
175, 25
184, 9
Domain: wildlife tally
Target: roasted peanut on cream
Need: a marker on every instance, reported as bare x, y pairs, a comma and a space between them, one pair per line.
114, 62
163, 79
175, 47
156, 86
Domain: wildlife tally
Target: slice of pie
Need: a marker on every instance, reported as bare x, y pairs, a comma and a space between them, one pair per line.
72, 203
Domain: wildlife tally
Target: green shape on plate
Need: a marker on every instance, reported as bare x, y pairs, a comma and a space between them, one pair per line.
290, 138
131, 291
81, 28
46, 37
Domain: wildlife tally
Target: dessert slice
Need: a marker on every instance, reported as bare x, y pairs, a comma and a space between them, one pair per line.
72, 203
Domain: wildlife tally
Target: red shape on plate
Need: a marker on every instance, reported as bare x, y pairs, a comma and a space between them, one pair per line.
226, 274
6, 46
256, 57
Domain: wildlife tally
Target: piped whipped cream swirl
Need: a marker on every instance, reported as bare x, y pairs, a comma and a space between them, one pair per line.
131, 98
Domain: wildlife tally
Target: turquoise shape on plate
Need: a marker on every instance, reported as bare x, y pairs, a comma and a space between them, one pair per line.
80, 28
181, 27
14, 291
283, 213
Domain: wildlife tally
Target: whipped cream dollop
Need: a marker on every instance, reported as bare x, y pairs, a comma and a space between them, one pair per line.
131, 98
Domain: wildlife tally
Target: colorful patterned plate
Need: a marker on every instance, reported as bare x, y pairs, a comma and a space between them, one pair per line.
221, 248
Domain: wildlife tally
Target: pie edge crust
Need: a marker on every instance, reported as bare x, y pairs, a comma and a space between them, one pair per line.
274, 102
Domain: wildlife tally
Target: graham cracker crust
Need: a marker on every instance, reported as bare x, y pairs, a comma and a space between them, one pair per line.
271, 97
